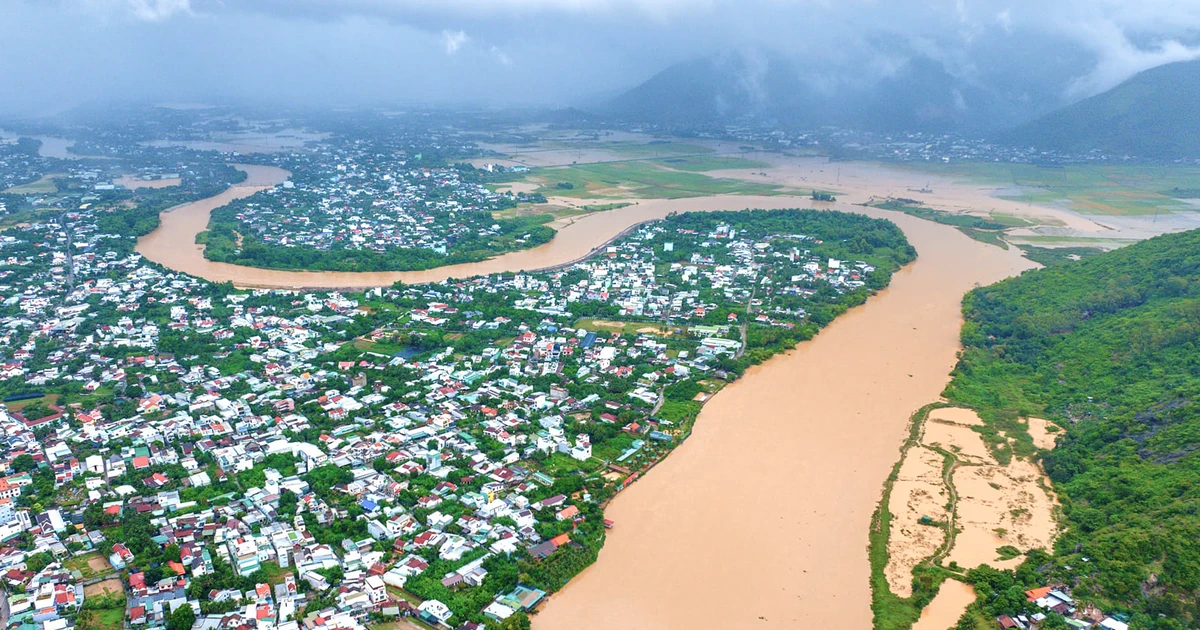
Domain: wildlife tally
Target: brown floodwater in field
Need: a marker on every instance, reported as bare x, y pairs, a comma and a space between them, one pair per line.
760, 519
947, 606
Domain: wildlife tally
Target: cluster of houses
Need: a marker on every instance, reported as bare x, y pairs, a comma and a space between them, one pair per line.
357, 197
1055, 601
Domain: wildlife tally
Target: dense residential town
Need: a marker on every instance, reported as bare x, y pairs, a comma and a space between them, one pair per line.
183, 454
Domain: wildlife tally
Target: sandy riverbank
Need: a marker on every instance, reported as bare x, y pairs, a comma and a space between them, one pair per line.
997, 505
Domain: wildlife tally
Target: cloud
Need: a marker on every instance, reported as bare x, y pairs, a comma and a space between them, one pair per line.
1049, 50
453, 40
1120, 58
155, 10
1004, 19
501, 57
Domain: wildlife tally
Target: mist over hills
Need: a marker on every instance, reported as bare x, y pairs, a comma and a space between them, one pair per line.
720, 88
1155, 114
921, 95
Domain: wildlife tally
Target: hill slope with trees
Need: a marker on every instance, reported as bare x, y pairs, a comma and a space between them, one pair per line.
1109, 349
1155, 114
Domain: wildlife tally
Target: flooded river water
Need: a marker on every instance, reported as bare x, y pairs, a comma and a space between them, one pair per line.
760, 519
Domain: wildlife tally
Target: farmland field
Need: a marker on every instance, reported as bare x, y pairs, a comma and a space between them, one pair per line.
640, 179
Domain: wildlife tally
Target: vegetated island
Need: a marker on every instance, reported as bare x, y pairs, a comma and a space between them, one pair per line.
363, 209
1105, 349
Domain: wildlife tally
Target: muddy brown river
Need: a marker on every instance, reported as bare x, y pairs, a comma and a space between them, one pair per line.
760, 519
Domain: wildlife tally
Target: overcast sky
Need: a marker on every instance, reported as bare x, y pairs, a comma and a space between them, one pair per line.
61, 53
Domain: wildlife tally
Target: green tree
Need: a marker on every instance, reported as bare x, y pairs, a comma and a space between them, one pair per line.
24, 463
93, 516
181, 618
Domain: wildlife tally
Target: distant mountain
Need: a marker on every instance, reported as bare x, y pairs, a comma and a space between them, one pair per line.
1155, 114
920, 96
717, 89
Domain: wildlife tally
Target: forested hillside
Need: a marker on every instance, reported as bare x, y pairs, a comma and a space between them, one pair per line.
1152, 115
1108, 348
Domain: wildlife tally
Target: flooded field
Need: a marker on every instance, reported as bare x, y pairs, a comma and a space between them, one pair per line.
989, 505
947, 606
133, 183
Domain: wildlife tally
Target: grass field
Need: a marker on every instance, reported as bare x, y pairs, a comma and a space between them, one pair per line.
89, 565
1070, 241
382, 347
102, 619
45, 401
275, 573
625, 328
44, 185
640, 179
1087, 189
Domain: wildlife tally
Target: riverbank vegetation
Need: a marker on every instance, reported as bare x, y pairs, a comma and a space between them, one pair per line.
891, 611
988, 230
1050, 256
1106, 348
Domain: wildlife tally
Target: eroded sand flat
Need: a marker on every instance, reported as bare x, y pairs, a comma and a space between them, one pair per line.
962, 441
956, 415
998, 506
1043, 438
917, 492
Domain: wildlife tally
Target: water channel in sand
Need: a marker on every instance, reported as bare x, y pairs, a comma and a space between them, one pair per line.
760, 519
